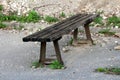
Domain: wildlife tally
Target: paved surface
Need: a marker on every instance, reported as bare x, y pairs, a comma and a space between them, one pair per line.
16, 57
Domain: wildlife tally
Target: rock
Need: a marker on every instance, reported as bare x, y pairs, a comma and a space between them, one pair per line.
117, 47
65, 49
117, 35
84, 42
116, 42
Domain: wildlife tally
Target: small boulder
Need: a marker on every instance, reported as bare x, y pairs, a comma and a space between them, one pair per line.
117, 47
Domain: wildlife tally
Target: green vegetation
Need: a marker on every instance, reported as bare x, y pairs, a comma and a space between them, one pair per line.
2, 25
101, 70
106, 32
32, 17
62, 15
98, 20
109, 70
36, 64
1, 7
50, 19
56, 65
70, 41
114, 21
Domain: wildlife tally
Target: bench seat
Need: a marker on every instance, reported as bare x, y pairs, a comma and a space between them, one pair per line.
58, 30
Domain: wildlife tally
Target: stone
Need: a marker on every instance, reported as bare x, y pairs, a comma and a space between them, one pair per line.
65, 49
117, 35
116, 42
117, 47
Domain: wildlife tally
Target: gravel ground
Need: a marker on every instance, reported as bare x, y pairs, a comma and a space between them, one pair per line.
16, 57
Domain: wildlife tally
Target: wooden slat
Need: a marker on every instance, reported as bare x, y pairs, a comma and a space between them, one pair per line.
51, 27
61, 27
66, 31
57, 30
66, 27
42, 34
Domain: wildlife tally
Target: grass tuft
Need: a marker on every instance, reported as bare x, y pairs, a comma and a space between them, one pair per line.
114, 21
70, 41
109, 70
1, 7
56, 65
50, 19
32, 17
62, 15
2, 25
36, 64
107, 32
98, 20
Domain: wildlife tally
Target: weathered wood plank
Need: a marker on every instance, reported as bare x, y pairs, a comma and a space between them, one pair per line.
51, 27
52, 30
59, 30
64, 27
66, 31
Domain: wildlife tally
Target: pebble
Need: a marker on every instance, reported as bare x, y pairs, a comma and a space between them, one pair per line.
116, 42
65, 49
117, 47
117, 35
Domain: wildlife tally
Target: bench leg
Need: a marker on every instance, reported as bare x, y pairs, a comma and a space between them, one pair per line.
57, 50
75, 33
42, 53
87, 31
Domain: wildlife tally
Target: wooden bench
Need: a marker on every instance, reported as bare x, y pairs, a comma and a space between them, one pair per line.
55, 32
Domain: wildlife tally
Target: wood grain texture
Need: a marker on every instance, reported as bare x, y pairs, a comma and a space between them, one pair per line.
61, 28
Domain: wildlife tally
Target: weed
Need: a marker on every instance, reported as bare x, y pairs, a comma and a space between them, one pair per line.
109, 70
56, 65
70, 41
1, 7
98, 20
50, 19
2, 25
33, 16
62, 15
106, 31
3, 17
114, 21
100, 70
36, 64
